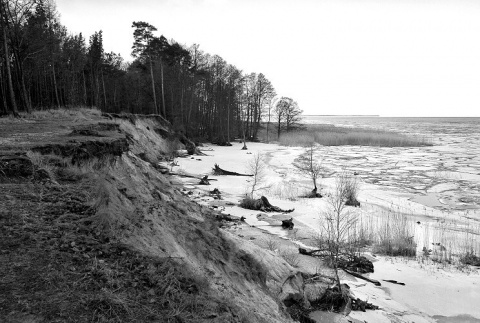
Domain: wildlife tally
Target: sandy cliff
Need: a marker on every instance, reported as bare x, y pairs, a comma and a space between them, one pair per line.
92, 231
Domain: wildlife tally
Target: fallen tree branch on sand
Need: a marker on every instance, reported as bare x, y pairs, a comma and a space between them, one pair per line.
373, 281
393, 282
218, 171
229, 218
313, 253
190, 175
262, 204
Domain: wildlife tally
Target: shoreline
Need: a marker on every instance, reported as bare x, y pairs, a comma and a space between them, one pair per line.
392, 299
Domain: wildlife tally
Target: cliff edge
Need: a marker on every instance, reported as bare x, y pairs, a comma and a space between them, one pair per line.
92, 231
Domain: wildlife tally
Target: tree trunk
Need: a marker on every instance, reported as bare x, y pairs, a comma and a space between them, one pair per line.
279, 126
228, 119
104, 93
97, 90
84, 89
153, 88
21, 80
163, 91
189, 116
3, 92
9, 72
115, 95
268, 123
182, 115
55, 85
171, 106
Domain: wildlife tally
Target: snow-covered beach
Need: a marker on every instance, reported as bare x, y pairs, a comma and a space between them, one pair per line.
435, 187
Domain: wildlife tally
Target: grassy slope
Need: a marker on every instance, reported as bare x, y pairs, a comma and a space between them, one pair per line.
109, 239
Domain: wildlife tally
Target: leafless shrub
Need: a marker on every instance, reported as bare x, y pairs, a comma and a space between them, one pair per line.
337, 226
350, 187
257, 167
309, 166
271, 244
291, 257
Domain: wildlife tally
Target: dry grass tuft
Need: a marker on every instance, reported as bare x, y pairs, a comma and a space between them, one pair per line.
395, 235
297, 138
79, 113
287, 191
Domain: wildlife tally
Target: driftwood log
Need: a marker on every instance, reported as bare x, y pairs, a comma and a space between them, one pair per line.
272, 208
373, 281
393, 282
229, 218
313, 253
218, 171
222, 143
262, 204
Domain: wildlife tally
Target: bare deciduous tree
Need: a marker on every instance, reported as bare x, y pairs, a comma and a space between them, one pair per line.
338, 225
257, 168
308, 166
288, 115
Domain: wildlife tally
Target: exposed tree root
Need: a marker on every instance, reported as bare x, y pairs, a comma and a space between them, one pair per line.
218, 171
262, 204
341, 301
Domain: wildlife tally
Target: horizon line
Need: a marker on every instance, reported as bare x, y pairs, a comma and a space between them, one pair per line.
378, 115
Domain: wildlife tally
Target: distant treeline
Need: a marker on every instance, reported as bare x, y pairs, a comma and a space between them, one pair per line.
42, 65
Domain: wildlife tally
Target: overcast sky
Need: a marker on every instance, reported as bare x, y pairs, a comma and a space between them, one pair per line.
385, 57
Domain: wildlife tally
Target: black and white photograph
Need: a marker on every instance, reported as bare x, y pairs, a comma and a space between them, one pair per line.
240, 161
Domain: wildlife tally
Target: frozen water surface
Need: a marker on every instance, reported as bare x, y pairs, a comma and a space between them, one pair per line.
445, 176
